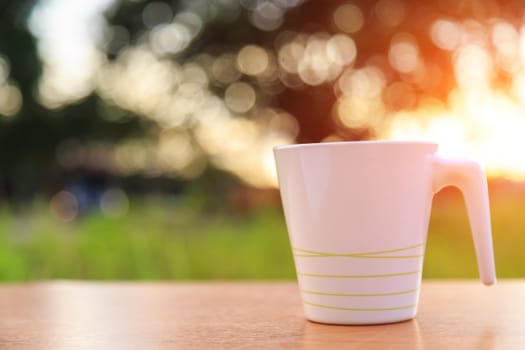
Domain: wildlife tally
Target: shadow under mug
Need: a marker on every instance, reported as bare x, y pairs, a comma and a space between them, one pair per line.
357, 215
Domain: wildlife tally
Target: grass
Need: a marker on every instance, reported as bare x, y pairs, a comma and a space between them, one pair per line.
168, 239
158, 239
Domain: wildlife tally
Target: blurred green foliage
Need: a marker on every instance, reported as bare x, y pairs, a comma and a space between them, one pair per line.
171, 239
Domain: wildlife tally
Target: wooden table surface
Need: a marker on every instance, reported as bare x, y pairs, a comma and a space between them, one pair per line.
247, 315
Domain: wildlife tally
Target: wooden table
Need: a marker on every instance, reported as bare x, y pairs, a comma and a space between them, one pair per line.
247, 315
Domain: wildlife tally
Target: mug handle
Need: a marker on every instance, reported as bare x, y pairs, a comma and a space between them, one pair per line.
469, 177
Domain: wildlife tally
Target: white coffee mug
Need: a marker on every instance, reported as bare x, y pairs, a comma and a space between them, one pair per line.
357, 215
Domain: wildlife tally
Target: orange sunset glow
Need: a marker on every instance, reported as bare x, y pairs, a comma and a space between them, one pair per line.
477, 120
482, 116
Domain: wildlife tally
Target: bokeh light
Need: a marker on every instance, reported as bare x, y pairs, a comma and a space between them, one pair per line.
170, 38
390, 12
10, 100
349, 18
505, 39
400, 95
341, 50
156, 13
10, 97
64, 206
290, 54
68, 35
114, 203
224, 69
253, 60
403, 54
446, 34
240, 97
267, 16
473, 66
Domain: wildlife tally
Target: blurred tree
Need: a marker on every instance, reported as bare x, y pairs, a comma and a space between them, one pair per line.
29, 139
378, 23
228, 26
159, 82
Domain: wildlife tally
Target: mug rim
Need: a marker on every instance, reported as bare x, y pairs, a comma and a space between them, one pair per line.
347, 143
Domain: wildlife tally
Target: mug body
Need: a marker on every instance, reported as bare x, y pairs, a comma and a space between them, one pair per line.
357, 216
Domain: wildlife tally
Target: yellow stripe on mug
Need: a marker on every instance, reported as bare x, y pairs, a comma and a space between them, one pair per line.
409, 291
305, 253
359, 276
360, 308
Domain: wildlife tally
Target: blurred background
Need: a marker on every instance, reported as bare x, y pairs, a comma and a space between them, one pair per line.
136, 136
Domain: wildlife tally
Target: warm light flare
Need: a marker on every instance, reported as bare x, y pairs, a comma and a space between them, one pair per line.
473, 66
487, 127
484, 116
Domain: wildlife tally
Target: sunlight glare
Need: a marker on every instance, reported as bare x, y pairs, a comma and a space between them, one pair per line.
10, 100
481, 124
68, 33
505, 39
473, 67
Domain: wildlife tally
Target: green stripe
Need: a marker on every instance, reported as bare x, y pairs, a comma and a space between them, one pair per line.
360, 309
313, 253
359, 276
360, 295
